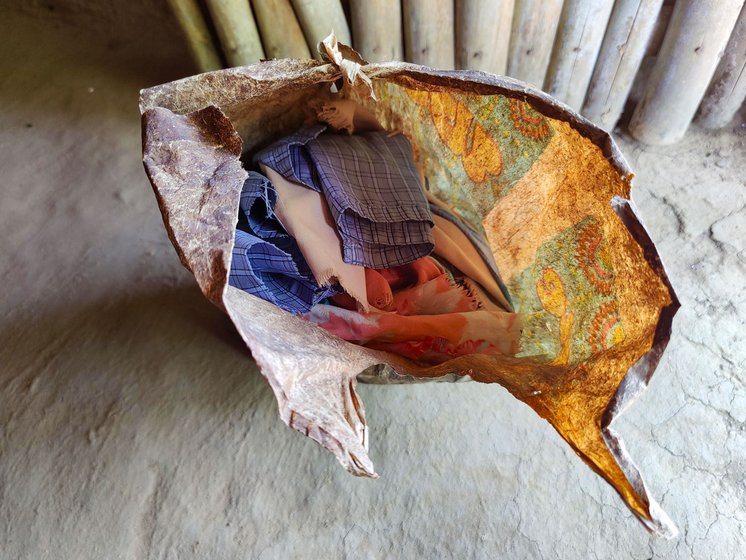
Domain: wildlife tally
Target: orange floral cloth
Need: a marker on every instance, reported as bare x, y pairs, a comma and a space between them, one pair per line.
428, 316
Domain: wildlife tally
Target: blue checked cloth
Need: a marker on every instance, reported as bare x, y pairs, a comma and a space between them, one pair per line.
266, 260
372, 188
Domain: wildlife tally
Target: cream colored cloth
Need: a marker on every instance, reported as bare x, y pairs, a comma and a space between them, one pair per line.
305, 215
454, 246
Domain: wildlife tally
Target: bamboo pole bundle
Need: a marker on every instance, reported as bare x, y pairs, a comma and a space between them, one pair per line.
429, 33
483, 34
727, 90
377, 30
630, 27
531, 39
237, 31
320, 17
281, 34
198, 38
581, 31
694, 42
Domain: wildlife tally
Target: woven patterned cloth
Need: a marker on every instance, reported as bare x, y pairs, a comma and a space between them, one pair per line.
371, 185
266, 260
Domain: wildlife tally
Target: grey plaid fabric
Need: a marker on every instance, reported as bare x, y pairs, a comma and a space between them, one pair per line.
371, 185
290, 159
266, 260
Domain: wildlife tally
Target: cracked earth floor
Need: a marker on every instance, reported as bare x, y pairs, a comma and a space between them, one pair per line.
134, 425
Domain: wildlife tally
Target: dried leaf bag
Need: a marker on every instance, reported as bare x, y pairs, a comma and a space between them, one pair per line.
550, 190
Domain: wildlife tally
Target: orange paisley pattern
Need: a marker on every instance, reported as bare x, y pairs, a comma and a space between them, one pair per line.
530, 122
606, 329
593, 257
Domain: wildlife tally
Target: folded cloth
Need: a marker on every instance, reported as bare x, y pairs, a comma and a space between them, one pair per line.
431, 319
378, 290
305, 215
374, 192
468, 250
372, 188
256, 208
455, 247
290, 158
267, 262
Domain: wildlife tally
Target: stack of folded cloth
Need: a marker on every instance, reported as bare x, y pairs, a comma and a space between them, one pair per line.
267, 261
338, 229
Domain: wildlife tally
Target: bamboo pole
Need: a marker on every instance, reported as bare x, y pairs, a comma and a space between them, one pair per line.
728, 87
377, 30
318, 18
237, 31
648, 60
581, 31
694, 42
429, 33
198, 38
483, 34
630, 27
531, 39
281, 34
659, 30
